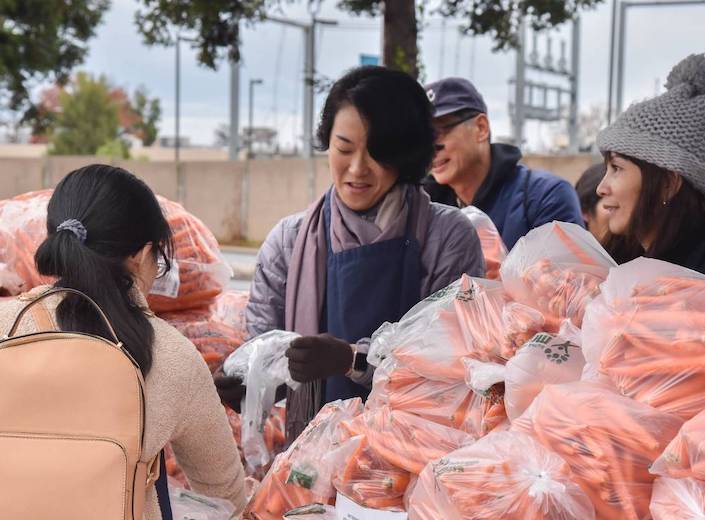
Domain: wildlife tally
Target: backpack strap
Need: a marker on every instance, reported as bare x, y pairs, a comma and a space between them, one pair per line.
162, 488
42, 318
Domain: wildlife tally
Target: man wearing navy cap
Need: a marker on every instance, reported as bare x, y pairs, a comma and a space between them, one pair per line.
469, 170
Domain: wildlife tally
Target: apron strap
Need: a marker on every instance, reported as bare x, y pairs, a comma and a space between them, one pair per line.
162, 488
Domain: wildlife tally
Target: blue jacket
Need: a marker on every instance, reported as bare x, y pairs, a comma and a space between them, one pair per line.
516, 198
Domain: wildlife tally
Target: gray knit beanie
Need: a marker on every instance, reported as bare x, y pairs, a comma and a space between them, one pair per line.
668, 130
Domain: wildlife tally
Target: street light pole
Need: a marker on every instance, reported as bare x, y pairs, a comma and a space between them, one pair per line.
177, 123
250, 115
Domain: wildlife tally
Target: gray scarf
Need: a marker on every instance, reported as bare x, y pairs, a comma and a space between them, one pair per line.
306, 278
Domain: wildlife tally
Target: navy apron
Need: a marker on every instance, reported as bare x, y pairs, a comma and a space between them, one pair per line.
365, 287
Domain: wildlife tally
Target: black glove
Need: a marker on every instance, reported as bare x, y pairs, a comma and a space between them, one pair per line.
318, 357
230, 389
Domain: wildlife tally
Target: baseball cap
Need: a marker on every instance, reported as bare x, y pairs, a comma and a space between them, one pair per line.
452, 94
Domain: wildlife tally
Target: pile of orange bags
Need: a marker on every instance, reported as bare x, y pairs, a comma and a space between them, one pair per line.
608, 440
644, 334
304, 473
493, 248
202, 272
505, 475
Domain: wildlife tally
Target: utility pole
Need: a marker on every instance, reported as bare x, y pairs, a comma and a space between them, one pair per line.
309, 32
618, 47
575, 83
234, 137
250, 116
518, 122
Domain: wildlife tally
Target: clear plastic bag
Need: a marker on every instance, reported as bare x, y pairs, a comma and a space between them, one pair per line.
408, 441
645, 334
303, 474
202, 271
400, 388
493, 248
464, 319
505, 475
556, 269
682, 499
485, 411
187, 505
608, 440
520, 323
262, 365
685, 455
23, 227
229, 308
545, 360
369, 480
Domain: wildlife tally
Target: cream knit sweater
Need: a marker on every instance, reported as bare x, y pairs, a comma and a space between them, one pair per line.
182, 407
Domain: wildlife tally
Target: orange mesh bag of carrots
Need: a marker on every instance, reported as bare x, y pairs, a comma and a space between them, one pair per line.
681, 499
304, 473
493, 248
505, 475
23, 227
608, 440
199, 273
545, 360
369, 480
685, 455
408, 441
556, 269
214, 339
463, 319
646, 334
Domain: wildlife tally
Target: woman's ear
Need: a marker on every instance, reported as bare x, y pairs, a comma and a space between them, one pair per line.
136, 262
675, 183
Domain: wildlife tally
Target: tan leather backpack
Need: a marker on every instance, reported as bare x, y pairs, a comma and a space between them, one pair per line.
71, 424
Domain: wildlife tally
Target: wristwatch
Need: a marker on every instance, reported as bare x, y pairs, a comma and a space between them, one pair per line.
359, 363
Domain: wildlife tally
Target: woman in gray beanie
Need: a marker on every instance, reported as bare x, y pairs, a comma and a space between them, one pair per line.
654, 187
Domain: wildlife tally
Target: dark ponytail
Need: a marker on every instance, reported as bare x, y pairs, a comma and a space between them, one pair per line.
97, 218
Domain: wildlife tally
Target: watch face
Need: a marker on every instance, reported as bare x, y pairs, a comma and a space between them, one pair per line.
360, 362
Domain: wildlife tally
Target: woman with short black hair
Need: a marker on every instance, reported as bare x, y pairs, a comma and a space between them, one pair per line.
654, 187
365, 252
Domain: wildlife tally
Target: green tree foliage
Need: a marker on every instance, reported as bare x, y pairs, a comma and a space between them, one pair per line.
42, 39
88, 117
149, 112
215, 24
500, 18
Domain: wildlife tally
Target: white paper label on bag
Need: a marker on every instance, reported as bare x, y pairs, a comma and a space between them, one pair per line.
346, 509
168, 285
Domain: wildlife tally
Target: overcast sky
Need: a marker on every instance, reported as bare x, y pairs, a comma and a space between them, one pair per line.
656, 39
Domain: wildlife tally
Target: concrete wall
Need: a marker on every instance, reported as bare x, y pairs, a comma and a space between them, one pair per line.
19, 176
235, 199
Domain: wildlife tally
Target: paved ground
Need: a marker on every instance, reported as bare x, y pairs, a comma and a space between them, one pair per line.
242, 261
